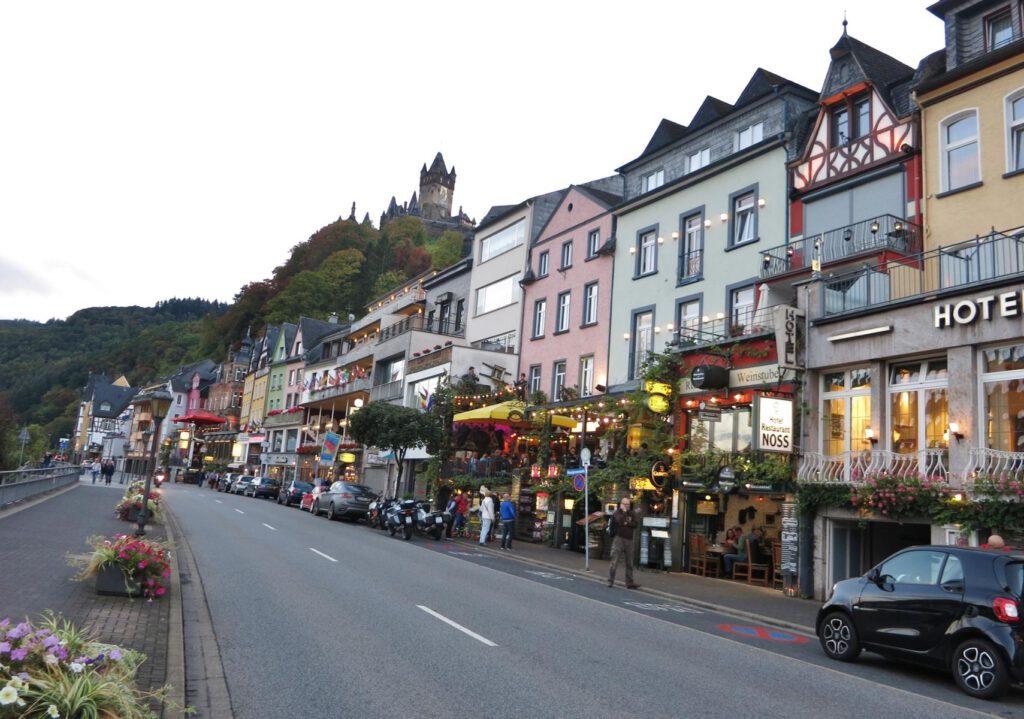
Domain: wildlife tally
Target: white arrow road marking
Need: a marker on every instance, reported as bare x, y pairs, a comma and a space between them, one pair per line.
449, 622
268, 526
325, 556
240, 511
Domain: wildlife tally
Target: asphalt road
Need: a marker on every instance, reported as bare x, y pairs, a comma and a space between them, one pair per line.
318, 618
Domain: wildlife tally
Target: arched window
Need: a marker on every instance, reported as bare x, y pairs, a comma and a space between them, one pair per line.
958, 138
1015, 131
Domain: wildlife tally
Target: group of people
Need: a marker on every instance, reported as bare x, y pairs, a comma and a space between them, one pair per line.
103, 469
458, 507
739, 547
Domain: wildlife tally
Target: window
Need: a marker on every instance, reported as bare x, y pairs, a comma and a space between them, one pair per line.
960, 165
460, 313
1015, 119
733, 433
918, 415
540, 308
643, 341
691, 249
998, 29
741, 301
918, 566
291, 441
688, 320
840, 126
534, 378
1003, 384
557, 380
497, 295
846, 412
744, 223
652, 181
590, 304
502, 241
750, 136
698, 159
586, 376
593, 242
861, 117
542, 264
291, 377
562, 321
647, 253
566, 256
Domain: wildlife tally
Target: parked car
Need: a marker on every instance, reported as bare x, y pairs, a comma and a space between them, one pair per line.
310, 497
262, 487
241, 482
224, 483
292, 492
343, 500
952, 608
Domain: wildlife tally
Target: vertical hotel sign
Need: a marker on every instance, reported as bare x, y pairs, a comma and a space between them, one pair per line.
787, 322
773, 424
330, 448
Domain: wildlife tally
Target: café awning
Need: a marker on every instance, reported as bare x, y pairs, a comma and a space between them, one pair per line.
511, 413
200, 417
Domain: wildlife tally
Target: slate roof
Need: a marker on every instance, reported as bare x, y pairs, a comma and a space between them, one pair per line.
118, 397
888, 75
181, 381
315, 330
667, 133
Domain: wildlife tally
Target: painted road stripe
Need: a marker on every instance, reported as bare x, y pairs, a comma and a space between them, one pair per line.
240, 511
268, 526
325, 556
218, 501
449, 622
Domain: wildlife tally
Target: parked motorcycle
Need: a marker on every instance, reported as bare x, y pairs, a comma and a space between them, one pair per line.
375, 514
401, 517
431, 523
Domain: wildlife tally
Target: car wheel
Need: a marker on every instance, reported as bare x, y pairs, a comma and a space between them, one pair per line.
839, 637
315, 509
980, 670
331, 516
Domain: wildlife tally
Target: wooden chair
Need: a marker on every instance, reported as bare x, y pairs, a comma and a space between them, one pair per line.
753, 571
698, 554
777, 582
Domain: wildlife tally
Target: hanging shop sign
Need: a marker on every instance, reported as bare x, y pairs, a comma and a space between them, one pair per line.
708, 413
756, 376
639, 484
659, 474
658, 394
773, 424
709, 376
787, 322
987, 307
330, 448
346, 458
707, 506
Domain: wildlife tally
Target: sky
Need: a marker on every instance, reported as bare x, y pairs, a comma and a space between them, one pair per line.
156, 150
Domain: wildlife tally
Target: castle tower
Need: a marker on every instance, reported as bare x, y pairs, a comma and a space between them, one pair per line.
437, 186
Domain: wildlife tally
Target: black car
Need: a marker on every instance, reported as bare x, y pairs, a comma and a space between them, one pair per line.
292, 492
953, 608
262, 487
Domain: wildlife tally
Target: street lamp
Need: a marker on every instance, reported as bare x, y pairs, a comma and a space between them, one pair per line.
159, 404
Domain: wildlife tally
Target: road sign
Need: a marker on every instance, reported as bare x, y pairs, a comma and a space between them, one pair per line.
579, 482
585, 456
575, 471
23, 436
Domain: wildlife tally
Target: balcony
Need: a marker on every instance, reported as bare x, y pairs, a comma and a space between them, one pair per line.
417, 322
989, 259
387, 392
691, 266
881, 234
744, 323
854, 467
995, 464
340, 390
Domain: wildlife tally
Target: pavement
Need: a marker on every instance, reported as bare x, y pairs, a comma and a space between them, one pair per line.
177, 634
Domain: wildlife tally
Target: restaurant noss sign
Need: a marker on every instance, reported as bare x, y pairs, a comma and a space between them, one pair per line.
773, 424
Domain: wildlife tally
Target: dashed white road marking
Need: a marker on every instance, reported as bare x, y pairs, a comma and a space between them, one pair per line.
449, 622
218, 501
325, 556
268, 526
240, 511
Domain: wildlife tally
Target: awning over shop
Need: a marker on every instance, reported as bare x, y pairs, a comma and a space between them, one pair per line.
511, 413
200, 417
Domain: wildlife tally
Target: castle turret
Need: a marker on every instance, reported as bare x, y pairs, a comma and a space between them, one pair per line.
437, 187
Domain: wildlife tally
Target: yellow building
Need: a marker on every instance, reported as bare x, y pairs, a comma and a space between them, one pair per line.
971, 96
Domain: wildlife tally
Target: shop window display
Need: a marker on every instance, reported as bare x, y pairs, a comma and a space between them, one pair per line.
918, 406
846, 411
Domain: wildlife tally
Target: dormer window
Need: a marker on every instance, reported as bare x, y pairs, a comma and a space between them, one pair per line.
998, 29
652, 181
698, 159
749, 136
851, 120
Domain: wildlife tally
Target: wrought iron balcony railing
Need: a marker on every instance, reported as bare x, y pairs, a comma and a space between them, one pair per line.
885, 232
691, 266
993, 257
855, 466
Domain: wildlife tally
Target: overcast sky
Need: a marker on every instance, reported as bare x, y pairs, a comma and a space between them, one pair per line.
151, 150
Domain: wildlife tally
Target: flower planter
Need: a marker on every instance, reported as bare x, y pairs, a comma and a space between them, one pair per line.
133, 514
112, 581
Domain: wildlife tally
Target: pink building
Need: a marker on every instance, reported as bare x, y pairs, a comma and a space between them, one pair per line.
567, 295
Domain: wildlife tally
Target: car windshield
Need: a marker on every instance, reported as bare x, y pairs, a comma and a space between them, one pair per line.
360, 489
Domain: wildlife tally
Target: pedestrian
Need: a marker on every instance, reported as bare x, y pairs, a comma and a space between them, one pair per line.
96, 469
450, 509
486, 515
508, 520
461, 508
108, 471
623, 524
520, 387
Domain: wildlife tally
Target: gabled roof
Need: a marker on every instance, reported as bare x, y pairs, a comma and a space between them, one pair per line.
181, 381
314, 330
117, 397
667, 133
710, 110
761, 83
884, 72
495, 212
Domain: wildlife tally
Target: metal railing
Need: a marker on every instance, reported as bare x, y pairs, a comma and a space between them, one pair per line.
885, 232
23, 484
995, 463
448, 328
854, 467
691, 265
386, 391
993, 257
361, 384
745, 322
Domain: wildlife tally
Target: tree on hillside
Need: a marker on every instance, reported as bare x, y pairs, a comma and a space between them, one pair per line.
387, 282
332, 288
393, 429
446, 250
309, 255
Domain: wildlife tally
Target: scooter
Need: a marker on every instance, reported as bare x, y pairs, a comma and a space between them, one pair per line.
375, 514
400, 517
431, 523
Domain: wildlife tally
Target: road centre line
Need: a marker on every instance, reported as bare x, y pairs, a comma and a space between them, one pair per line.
218, 501
325, 556
268, 526
446, 620
240, 511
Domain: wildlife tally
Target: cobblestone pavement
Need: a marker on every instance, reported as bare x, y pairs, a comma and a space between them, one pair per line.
34, 546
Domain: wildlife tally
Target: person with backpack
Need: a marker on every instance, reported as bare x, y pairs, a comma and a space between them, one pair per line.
622, 526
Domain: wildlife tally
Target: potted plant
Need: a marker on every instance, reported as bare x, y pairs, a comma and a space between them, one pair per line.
128, 566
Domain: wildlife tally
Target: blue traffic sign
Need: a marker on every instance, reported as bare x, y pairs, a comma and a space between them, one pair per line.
575, 472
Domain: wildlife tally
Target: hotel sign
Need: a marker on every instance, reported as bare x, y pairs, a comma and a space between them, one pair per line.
756, 376
987, 307
787, 320
773, 424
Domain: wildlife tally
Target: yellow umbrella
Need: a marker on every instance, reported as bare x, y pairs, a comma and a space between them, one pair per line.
511, 412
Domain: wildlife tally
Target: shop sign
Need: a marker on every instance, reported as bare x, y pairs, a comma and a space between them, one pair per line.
330, 447
658, 394
639, 484
756, 376
706, 413
659, 473
773, 424
707, 506
709, 376
346, 458
279, 459
965, 312
787, 320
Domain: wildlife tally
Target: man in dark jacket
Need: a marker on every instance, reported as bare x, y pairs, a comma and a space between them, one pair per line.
625, 520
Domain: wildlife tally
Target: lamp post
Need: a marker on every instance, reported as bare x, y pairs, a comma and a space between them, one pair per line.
159, 403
